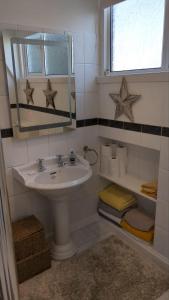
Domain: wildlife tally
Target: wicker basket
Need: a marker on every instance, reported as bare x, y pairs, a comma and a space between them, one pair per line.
33, 265
29, 237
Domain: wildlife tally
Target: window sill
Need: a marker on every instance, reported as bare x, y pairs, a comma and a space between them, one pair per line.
42, 79
146, 77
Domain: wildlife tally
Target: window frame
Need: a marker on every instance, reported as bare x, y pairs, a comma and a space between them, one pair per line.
106, 19
24, 63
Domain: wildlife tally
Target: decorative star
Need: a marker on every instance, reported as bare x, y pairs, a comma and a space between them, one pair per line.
29, 92
50, 95
124, 102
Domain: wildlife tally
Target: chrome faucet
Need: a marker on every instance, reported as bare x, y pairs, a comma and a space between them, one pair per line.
60, 160
41, 166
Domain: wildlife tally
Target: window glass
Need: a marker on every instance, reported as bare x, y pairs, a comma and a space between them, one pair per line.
137, 34
56, 59
34, 59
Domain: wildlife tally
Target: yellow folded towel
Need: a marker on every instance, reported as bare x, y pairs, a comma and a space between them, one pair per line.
153, 195
144, 235
150, 185
150, 189
117, 197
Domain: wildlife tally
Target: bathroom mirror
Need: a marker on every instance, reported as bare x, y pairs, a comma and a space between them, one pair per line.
41, 83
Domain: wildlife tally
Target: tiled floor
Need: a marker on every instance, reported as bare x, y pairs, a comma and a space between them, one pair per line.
86, 237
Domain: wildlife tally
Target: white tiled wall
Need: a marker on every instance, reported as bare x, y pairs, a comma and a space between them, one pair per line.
162, 212
151, 109
23, 201
80, 19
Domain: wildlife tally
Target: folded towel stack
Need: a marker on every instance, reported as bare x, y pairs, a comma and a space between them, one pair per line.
139, 223
114, 202
150, 189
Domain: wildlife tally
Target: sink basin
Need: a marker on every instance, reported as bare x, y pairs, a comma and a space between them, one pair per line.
55, 184
53, 178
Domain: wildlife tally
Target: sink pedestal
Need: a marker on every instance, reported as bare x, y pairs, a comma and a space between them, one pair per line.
58, 185
63, 246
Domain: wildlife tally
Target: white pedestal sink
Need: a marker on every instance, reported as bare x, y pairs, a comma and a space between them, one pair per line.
56, 183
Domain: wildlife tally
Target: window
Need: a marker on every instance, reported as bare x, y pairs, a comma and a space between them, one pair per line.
48, 56
136, 35
34, 59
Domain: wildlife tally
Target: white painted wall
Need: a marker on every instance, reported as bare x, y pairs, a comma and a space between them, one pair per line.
72, 15
80, 18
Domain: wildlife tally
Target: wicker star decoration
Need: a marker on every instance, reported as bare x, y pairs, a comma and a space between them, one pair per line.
50, 95
29, 92
124, 102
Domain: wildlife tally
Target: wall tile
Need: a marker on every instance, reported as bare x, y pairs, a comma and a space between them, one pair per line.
79, 75
3, 85
161, 242
78, 42
80, 110
164, 153
162, 214
1, 48
15, 152
21, 206
38, 148
150, 141
30, 203
120, 135
91, 71
57, 144
91, 105
4, 112
163, 185
91, 48
165, 106
14, 186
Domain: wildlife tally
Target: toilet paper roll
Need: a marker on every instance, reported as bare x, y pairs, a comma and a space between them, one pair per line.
122, 157
104, 164
114, 167
114, 149
106, 150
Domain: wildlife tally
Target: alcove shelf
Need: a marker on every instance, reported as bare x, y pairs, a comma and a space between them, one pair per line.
131, 183
142, 167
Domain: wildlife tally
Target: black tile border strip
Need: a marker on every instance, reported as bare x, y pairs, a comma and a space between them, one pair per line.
86, 122
132, 126
165, 131
144, 128
7, 132
44, 110
156, 130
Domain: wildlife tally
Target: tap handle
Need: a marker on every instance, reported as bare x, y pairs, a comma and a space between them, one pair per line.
40, 160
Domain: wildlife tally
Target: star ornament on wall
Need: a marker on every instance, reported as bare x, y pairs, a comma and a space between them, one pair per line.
124, 102
29, 92
50, 95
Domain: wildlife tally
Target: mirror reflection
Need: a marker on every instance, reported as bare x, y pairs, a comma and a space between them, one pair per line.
40, 80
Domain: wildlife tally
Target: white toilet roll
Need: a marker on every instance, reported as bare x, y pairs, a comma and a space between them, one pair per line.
114, 167
106, 150
104, 164
114, 149
122, 157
